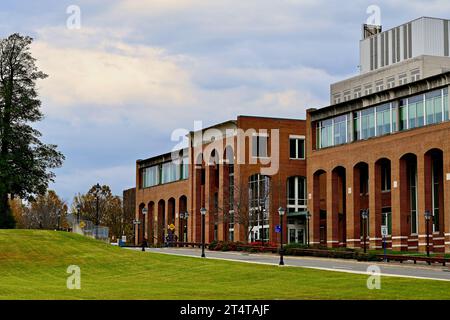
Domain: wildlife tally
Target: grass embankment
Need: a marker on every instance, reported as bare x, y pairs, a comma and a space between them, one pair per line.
33, 265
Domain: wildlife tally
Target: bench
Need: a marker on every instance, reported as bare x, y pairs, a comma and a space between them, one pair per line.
428, 260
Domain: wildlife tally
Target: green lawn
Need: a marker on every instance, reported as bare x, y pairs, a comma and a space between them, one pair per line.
33, 266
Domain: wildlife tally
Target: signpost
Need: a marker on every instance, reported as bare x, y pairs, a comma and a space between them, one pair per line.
278, 229
384, 233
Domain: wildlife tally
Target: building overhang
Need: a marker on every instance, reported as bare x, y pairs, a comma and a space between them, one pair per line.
385, 96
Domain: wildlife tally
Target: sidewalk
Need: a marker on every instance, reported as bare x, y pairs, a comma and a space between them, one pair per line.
338, 265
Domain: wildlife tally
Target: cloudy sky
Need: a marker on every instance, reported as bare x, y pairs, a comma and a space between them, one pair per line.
136, 70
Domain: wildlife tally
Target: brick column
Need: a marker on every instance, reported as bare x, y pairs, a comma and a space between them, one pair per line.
223, 217
209, 204
164, 226
375, 238
424, 197
195, 228
177, 219
446, 185
353, 208
399, 199
332, 210
155, 225
314, 209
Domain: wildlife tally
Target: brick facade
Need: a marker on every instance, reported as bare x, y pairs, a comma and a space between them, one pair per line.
209, 179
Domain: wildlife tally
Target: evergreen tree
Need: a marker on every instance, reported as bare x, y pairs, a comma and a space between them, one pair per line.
24, 160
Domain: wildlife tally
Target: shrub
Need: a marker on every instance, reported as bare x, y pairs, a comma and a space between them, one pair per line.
212, 245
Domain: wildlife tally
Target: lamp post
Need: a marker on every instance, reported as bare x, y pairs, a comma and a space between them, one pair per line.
203, 213
78, 213
144, 213
136, 230
427, 222
281, 212
98, 188
365, 214
308, 218
183, 216
181, 226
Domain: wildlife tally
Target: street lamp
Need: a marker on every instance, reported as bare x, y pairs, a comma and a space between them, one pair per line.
203, 213
144, 213
365, 215
136, 229
427, 221
98, 188
78, 213
183, 216
308, 217
281, 212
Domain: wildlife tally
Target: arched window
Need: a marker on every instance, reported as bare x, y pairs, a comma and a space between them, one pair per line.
296, 193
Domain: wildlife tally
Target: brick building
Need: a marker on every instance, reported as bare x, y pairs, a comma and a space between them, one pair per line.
241, 171
382, 144
380, 147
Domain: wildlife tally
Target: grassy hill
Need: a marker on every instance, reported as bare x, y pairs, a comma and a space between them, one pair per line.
33, 266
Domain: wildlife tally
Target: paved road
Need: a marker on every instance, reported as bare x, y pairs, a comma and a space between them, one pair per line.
392, 269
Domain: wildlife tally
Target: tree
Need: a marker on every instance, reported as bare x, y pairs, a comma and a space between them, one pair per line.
48, 212
110, 210
243, 206
24, 160
18, 212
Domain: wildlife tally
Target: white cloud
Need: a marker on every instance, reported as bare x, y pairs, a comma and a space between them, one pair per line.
110, 76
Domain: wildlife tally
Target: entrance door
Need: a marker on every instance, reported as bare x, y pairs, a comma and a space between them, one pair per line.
296, 234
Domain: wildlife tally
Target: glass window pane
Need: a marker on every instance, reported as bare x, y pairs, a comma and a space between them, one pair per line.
263, 146
293, 148
254, 146
301, 148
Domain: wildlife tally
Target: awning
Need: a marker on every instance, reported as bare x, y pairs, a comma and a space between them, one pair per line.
297, 214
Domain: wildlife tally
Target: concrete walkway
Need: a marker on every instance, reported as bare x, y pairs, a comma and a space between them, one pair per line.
436, 272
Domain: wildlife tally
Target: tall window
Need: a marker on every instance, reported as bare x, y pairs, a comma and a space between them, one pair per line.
415, 111
386, 177
259, 192
357, 125
325, 133
340, 130
413, 196
259, 146
383, 119
170, 172
150, 176
445, 102
403, 112
297, 199
435, 195
185, 168
297, 147
231, 202
367, 123
433, 107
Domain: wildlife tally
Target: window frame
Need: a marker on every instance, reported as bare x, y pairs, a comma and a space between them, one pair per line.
298, 155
